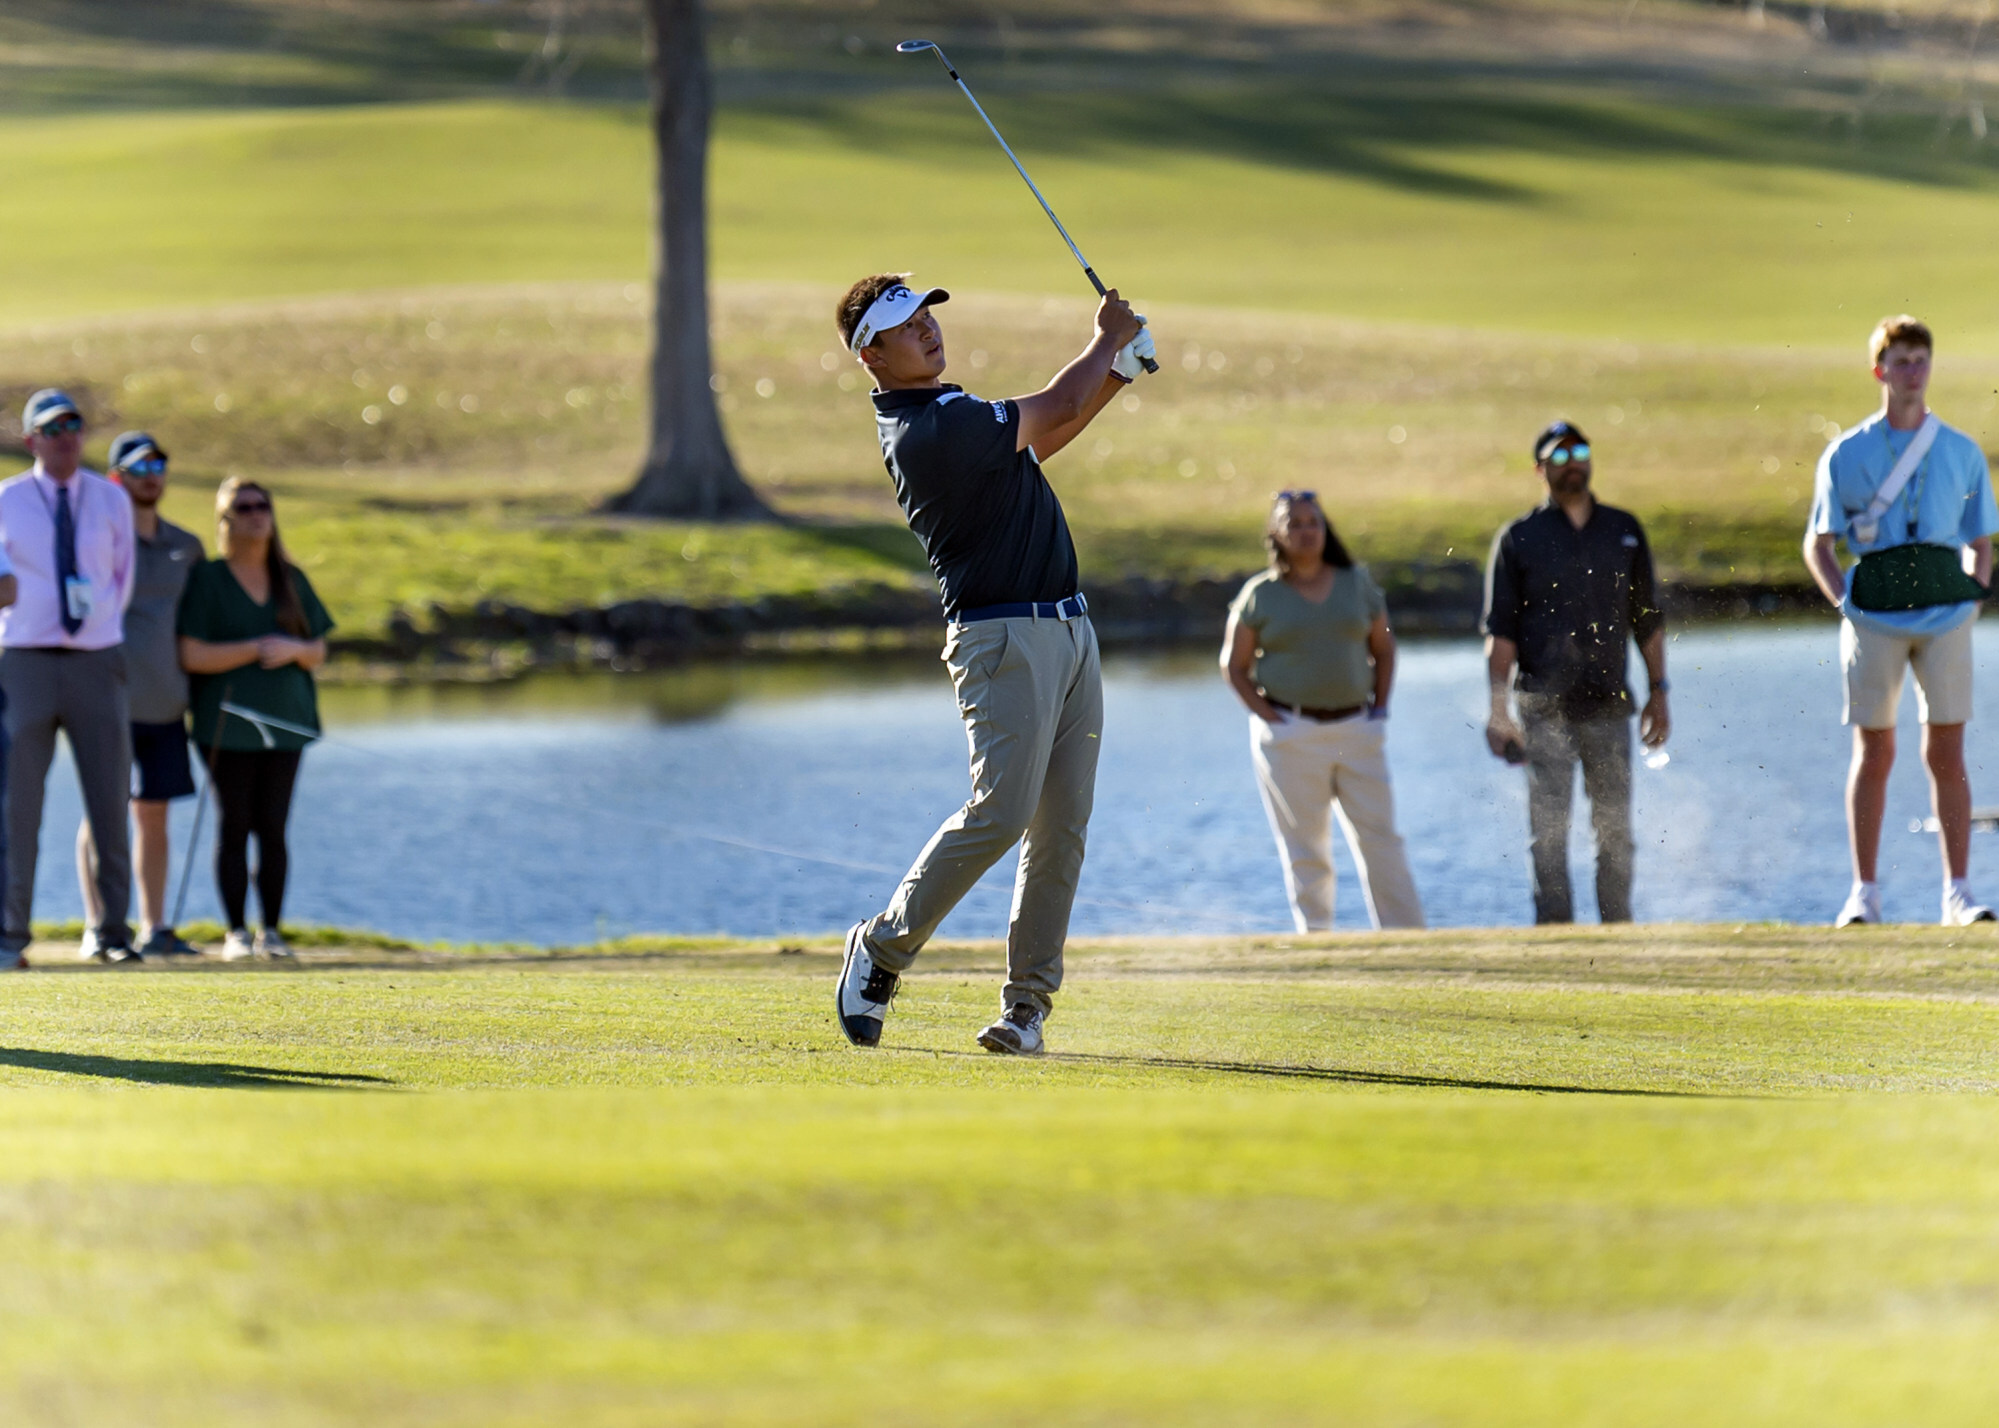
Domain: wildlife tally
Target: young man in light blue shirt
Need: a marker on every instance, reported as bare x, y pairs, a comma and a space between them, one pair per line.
1912, 610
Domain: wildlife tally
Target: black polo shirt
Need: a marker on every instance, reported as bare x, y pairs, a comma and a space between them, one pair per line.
988, 519
1569, 599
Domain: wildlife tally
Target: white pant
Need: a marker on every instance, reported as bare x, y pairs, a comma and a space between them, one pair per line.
1305, 770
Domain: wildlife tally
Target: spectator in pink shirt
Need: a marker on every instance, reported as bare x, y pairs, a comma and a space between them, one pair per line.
67, 534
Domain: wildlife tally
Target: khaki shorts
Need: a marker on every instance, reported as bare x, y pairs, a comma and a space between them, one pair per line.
1874, 661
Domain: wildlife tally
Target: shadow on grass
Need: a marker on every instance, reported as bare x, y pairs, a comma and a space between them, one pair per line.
222, 53
183, 1073
1345, 1075
887, 541
1409, 127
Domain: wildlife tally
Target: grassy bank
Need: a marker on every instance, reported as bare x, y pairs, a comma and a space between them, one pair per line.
449, 446
1648, 1176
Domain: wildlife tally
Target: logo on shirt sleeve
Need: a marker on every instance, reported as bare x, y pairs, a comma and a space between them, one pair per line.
1631, 542
999, 412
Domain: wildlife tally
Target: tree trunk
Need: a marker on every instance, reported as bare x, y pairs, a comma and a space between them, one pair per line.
688, 470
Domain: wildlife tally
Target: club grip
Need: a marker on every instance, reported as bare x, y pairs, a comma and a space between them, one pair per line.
1148, 364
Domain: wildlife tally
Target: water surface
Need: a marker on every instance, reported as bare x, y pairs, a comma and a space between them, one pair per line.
777, 798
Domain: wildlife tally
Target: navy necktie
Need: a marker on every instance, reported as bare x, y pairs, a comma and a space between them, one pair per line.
65, 555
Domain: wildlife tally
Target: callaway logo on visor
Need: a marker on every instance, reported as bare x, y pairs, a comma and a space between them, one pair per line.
892, 309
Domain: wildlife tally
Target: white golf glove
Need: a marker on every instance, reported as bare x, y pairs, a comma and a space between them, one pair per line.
1127, 364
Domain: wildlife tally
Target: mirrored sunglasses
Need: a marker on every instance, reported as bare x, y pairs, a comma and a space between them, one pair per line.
1297, 495
1563, 455
148, 466
60, 426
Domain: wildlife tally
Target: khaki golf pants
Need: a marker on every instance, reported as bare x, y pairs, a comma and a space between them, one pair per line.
1031, 695
1307, 771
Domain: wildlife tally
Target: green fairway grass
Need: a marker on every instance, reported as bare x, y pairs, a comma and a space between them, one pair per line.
359, 262
1422, 200
1642, 1176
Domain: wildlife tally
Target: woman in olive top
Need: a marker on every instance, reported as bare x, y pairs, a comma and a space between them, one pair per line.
251, 633
1309, 651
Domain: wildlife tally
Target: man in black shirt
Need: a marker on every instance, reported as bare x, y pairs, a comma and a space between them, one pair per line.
1567, 585
1019, 645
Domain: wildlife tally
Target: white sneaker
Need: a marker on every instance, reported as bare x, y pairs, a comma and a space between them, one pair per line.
1863, 906
271, 943
861, 999
1017, 1033
1960, 911
236, 946
90, 949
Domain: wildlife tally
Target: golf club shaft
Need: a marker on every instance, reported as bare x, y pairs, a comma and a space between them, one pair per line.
200, 804
1021, 169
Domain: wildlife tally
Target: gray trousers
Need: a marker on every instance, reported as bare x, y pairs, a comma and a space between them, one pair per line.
1555, 745
81, 692
1031, 695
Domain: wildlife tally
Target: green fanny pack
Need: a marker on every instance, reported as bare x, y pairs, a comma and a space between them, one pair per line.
1912, 577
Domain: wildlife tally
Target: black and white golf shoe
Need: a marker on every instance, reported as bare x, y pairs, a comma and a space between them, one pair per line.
865, 990
1016, 1033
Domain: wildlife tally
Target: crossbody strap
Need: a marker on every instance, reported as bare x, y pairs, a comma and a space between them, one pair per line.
1867, 525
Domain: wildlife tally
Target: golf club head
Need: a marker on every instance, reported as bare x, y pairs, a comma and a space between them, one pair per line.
917, 47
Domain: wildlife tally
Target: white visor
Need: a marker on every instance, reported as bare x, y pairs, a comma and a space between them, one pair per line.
892, 309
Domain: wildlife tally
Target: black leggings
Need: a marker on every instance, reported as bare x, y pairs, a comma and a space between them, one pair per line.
253, 790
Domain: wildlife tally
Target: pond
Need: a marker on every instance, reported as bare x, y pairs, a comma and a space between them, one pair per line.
788, 797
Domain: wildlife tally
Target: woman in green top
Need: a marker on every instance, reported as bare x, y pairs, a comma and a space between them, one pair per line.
1309, 652
251, 633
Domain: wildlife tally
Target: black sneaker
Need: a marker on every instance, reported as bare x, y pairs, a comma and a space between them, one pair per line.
1016, 1033
861, 999
165, 942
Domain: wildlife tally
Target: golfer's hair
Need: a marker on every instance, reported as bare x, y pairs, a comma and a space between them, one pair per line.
860, 297
284, 590
1890, 330
1335, 553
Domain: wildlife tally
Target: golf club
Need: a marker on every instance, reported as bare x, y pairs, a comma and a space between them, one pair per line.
200, 807
911, 47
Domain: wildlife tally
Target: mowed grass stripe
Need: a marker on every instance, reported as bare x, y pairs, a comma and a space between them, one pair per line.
1495, 206
749, 1255
679, 1022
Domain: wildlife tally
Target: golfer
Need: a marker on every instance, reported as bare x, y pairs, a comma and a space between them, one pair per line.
1019, 645
1912, 498
1568, 584
251, 632
156, 685
1309, 652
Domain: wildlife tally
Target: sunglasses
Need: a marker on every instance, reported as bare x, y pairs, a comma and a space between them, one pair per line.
1297, 495
1563, 455
250, 508
60, 426
150, 466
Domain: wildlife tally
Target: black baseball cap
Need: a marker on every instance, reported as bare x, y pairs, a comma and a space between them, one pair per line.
1553, 435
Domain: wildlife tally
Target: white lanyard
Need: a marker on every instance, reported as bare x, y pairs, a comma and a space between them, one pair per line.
50, 502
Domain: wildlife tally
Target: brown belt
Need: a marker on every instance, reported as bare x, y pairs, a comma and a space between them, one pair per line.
1324, 716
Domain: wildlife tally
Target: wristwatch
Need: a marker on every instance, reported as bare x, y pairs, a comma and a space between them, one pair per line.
1660, 686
